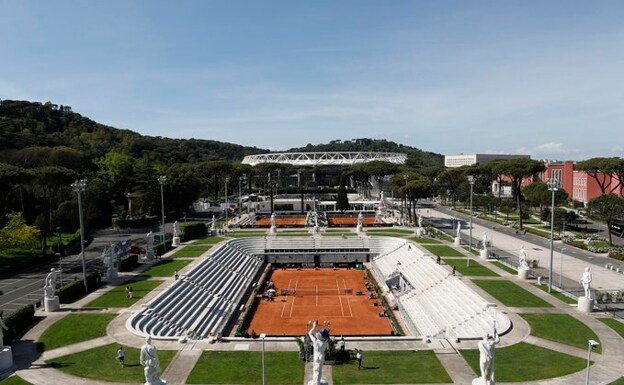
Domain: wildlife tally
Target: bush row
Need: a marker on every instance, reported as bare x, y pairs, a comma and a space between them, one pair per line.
193, 230
128, 264
160, 249
76, 290
18, 322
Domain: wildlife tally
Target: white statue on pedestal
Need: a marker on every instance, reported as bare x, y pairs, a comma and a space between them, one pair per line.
485, 240
150, 240
49, 289
176, 229
522, 258
319, 342
3, 327
420, 221
586, 279
458, 229
272, 220
150, 362
487, 348
213, 227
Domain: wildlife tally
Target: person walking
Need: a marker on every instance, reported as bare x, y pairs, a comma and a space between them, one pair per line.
121, 356
359, 356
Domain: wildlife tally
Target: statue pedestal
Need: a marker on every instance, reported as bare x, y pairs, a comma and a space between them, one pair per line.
478, 381
585, 304
149, 254
321, 382
420, 231
523, 273
175, 242
111, 273
483, 254
272, 230
359, 228
51, 304
457, 241
6, 359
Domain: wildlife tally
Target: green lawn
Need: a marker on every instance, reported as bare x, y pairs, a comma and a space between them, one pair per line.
511, 294
208, 241
392, 367
191, 251
14, 380
562, 328
166, 268
386, 233
246, 368
474, 270
526, 362
117, 296
474, 250
75, 328
508, 269
336, 234
425, 240
244, 234
619, 381
443, 251
391, 230
294, 234
560, 296
614, 324
100, 364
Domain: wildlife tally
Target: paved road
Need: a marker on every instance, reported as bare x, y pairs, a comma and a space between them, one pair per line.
26, 287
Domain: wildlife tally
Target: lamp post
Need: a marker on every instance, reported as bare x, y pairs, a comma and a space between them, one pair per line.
471, 180
79, 186
227, 179
240, 193
58, 248
162, 180
492, 242
262, 337
553, 185
591, 345
561, 267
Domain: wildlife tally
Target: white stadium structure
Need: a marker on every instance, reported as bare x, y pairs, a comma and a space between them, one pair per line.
324, 158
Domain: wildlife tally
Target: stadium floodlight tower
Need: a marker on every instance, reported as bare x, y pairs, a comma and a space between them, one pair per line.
553, 186
471, 180
162, 180
79, 186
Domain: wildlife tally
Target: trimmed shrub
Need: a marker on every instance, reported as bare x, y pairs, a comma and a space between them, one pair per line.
76, 290
18, 322
193, 230
128, 264
159, 249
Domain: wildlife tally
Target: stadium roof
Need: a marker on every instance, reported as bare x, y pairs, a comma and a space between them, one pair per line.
324, 158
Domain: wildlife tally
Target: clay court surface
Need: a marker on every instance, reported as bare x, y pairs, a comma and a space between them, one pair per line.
321, 294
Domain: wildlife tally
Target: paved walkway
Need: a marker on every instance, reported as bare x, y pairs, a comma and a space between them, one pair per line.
608, 366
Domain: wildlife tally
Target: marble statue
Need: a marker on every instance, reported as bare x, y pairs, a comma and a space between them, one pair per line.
360, 219
487, 348
109, 256
150, 362
272, 220
420, 221
176, 229
458, 229
213, 227
49, 288
522, 262
3, 327
586, 279
150, 240
319, 342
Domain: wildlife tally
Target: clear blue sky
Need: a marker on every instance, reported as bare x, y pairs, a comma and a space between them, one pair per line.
539, 77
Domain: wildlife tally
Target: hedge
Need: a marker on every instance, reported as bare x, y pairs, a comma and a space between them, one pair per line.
193, 230
18, 322
76, 290
128, 264
159, 249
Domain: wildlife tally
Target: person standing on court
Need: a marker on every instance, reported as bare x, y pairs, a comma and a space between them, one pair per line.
359, 356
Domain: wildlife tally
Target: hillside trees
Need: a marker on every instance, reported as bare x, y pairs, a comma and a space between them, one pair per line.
606, 208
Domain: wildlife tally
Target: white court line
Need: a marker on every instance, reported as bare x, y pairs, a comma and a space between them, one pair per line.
340, 298
292, 304
284, 304
349, 300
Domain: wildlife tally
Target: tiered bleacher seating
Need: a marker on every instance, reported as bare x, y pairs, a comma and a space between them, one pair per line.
438, 304
201, 302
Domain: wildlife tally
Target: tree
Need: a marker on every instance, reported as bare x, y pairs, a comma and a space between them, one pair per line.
517, 170
606, 208
342, 200
539, 195
602, 170
452, 179
16, 233
414, 190
378, 170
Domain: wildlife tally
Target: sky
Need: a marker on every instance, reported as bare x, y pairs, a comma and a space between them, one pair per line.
544, 78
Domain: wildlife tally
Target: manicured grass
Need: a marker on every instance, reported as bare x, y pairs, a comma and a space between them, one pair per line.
526, 362
391, 230
424, 240
474, 251
392, 367
560, 296
389, 233
505, 267
14, 380
614, 324
443, 251
250, 234
208, 241
191, 251
166, 268
246, 368
619, 381
75, 328
511, 294
474, 270
293, 234
117, 296
100, 364
562, 328
340, 234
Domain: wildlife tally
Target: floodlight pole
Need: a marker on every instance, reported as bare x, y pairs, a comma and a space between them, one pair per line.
263, 336
552, 186
561, 267
162, 180
227, 179
79, 186
471, 180
591, 344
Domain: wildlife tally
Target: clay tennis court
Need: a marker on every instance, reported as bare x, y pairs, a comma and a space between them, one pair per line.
323, 294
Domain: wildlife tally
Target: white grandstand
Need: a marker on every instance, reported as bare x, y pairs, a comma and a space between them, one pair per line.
324, 158
207, 301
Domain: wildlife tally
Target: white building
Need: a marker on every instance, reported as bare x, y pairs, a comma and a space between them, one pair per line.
453, 161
